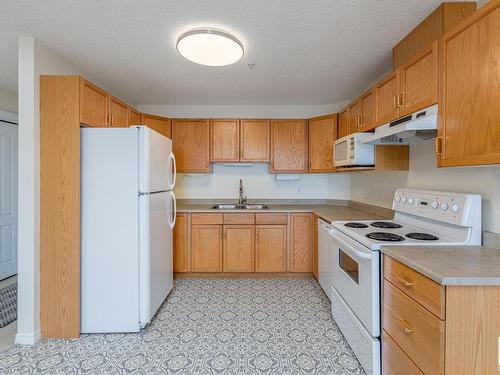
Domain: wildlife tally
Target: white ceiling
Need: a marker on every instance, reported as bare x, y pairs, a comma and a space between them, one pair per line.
306, 52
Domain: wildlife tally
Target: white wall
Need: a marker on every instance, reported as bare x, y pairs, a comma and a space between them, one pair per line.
8, 101
35, 59
258, 183
240, 111
378, 187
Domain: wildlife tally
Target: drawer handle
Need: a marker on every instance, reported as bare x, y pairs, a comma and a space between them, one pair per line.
406, 327
403, 280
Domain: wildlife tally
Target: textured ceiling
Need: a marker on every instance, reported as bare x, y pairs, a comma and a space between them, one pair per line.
305, 52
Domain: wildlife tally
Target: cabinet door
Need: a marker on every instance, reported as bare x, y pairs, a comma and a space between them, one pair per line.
93, 105
181, 243
118, 113
354, 117
322, 134
289, 146
239, 248
469, 121
190, 139
367, 109
158, 123
301, 241
225, 140
254, 142
270, 248
419, 81
343, 123
206, 248
386, 101
134, 117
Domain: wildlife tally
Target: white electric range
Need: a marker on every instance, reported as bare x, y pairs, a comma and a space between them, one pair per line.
421, 218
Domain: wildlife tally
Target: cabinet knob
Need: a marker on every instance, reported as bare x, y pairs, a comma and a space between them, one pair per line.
406, 327
407, 283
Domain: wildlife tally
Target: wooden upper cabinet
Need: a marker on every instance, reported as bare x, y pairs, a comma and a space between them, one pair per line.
300, 250
224, 140
93, 104
367, 111
386, 99
270, 248
206, 248
419, 81
354, 117
254, 142
239, 248
444, 18
322, 134
181, 243
118, 113
134, 117
158, 123
289, 146
343, 128
190, 139
469, 121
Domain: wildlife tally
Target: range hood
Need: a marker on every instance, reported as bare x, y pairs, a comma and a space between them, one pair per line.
417, 126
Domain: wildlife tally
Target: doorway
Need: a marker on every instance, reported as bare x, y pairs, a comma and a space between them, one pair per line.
8, 228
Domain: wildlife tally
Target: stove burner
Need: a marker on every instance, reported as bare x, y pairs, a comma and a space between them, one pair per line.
356, 225
384, 236
385, 224
422, 236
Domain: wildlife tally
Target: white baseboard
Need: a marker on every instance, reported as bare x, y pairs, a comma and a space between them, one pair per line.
28, 338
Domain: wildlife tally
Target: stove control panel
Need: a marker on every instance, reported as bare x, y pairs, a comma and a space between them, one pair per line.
453, 208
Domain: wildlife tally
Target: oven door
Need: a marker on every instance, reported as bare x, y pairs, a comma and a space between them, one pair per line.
356, 277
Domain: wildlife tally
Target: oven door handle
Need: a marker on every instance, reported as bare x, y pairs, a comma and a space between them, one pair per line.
343, 245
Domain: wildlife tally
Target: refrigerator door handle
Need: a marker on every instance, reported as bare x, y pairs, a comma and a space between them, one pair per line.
173, 163
174, 211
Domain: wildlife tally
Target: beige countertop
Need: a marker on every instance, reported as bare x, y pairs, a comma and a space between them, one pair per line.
327, 212
451, 265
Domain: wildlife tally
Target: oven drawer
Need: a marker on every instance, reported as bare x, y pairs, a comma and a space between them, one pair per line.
418, 332
394, 360
366, 347
428, 293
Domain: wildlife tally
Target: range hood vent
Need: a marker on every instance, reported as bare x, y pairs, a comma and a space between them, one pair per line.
420, 125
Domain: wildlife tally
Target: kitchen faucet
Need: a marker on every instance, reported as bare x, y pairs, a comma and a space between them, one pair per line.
241, 199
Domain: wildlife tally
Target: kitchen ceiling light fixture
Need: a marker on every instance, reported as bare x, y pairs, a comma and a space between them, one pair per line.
210, 47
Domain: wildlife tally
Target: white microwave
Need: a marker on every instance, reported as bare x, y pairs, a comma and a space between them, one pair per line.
348, 151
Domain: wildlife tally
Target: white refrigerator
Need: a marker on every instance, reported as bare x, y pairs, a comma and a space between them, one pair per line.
127, 216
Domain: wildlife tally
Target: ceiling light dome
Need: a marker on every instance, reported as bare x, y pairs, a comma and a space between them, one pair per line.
210, 47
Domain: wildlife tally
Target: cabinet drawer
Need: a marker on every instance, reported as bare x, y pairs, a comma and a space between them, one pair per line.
394, 360
239, 218
200, 218
417, 332
271, 218
428, 293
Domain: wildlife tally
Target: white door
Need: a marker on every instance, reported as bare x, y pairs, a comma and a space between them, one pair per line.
157, 218
156, 162
8, 200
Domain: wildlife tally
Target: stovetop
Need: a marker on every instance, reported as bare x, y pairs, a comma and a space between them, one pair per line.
375, 234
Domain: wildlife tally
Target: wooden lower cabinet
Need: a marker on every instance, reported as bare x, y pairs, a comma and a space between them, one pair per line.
270, 248
416, 341
239, 248
300, 249
181, 244
206, 248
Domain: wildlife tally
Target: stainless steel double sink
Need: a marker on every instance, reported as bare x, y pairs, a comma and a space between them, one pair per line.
229, 206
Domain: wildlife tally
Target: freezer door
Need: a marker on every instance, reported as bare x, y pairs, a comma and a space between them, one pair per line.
155, 252
156, 162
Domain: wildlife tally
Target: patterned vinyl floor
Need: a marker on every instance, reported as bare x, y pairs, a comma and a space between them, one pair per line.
239, 326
